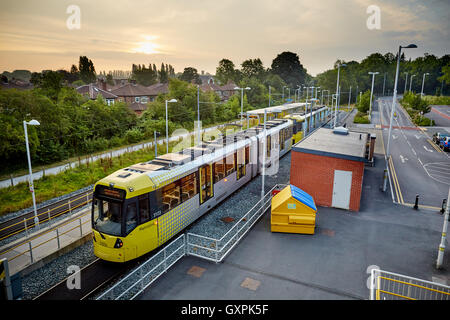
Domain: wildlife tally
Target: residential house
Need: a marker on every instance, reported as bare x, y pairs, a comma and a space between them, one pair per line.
137, 96
92, 92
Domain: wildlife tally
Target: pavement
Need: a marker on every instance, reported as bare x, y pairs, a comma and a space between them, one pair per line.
331, 264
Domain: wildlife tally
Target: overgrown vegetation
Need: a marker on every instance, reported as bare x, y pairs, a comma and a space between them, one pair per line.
416, 108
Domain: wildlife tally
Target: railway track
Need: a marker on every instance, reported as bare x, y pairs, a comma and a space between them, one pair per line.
26, 220
92, 278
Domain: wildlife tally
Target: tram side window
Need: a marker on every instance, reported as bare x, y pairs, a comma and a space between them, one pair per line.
219, 170
240, 157
268, 145
171, 196
144, 213
188, 186
229, 164
131, 221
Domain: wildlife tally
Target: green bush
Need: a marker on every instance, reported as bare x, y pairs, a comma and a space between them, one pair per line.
363, 104
134, 135
361, 118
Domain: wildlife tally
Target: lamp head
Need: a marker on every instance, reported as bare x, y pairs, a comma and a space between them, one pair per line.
410, 46
237, 88
172, 100
247, 88
33, 123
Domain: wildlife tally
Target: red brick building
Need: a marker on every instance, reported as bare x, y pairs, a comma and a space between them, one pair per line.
330, 167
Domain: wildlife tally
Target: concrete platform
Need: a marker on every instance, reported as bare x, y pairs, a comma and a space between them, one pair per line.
331, 264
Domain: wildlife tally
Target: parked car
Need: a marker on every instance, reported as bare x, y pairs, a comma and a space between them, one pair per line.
445, 143
438, 136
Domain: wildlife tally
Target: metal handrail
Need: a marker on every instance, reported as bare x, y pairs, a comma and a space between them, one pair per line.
87, 194
46, 232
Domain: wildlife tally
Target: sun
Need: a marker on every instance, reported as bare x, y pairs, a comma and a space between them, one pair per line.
148, 46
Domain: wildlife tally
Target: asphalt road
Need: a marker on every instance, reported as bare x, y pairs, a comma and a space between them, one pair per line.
418, 166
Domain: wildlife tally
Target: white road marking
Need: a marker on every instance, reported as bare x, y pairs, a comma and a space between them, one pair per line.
403, 159
414, 151
394, 137
427, 149
420, 161
417, 136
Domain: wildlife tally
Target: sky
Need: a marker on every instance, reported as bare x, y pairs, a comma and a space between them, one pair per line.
35, 35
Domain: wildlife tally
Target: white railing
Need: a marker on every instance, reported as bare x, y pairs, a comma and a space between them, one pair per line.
144, 275
217, 249
387, 285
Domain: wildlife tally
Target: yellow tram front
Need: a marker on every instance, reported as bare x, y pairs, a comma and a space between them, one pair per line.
117, 236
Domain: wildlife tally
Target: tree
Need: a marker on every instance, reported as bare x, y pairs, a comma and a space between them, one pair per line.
190, 74
163, 75
445, 74
87, 70
252, 68
144, 76
226, 72
287, 65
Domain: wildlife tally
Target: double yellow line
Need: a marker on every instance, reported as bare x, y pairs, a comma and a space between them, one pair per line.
398, 191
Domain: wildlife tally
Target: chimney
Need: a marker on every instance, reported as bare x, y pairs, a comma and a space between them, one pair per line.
103, 82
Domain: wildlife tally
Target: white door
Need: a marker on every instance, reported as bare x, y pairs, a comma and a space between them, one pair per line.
341, 189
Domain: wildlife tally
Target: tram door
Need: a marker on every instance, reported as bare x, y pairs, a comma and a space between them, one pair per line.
206, 185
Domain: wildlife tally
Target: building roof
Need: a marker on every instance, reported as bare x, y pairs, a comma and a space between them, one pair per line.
93, 91
16, 84
325, 142
136, 90
303, 197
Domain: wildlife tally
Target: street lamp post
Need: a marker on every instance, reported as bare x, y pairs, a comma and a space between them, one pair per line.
167, 125
242, 99
31, 123
423, 82
406, 82
371, 93
410, 81
394, 97
337, 93
384, 83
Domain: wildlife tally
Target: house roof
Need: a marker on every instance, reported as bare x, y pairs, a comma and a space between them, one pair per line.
93, 91
136, 90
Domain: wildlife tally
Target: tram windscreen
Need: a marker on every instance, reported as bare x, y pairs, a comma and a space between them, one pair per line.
107, 216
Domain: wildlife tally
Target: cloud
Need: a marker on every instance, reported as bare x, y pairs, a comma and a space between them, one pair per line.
199, 33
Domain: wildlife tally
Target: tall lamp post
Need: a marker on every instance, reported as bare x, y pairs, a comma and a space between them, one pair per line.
384, 83
31, 123
167, 124
406, 81
337, 93
423, 82
371, 93
410, 81
394, 98
242, 99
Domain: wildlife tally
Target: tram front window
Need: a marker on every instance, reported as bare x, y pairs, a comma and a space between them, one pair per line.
107, 217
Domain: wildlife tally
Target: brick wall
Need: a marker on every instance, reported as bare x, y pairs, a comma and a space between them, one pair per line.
315, 174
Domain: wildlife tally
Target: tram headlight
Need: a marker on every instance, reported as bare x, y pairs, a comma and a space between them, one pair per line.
118, 244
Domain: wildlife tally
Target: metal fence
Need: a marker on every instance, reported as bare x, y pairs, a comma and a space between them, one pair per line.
66, 206
387, 285
144, 275
50, 237
217, 249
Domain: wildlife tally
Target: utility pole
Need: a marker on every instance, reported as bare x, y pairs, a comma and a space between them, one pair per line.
444, 234
384, 83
